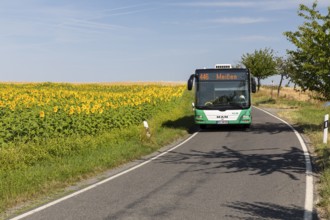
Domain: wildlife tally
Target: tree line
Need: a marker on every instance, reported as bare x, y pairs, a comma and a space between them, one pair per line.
308, 66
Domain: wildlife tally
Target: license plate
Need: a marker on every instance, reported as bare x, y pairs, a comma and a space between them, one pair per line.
222, 122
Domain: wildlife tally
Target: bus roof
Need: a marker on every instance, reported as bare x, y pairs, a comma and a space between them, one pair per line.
216, 70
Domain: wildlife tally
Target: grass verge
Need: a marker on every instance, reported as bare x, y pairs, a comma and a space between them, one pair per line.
90, 155
307, 115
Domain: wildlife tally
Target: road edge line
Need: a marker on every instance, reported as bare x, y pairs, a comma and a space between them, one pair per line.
309, 194
101, 182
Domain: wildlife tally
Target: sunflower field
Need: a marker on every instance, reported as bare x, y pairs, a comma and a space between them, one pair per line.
55, 134
38, 111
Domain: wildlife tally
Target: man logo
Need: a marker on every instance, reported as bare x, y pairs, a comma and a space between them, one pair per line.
222, 116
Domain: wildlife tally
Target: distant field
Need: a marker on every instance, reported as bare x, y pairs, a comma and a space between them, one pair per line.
290, 93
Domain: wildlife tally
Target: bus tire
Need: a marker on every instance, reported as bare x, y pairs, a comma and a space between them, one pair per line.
247, 126
202, 126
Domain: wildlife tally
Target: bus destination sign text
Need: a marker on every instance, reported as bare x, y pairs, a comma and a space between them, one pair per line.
218, 76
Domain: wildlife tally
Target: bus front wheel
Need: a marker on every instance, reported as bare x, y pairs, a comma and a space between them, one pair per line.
247, 126
202, 126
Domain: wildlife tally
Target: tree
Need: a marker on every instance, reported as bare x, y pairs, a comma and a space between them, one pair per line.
284, 67
261, 63
311, 59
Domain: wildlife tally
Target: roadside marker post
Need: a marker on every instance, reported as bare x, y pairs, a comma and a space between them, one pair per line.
146, 126
325, 128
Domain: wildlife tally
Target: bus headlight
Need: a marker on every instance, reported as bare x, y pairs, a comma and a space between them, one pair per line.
246, 117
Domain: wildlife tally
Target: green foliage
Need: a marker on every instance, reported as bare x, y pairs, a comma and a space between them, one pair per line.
285, 70
261, 63
311, 58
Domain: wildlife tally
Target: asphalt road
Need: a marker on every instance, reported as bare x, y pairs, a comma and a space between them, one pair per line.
224, 173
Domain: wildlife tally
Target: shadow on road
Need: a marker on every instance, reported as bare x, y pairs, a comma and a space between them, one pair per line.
186, 123
227, 160
270, 128
255, 128
262, 210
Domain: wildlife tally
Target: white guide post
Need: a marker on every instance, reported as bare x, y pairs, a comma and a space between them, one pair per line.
146, 126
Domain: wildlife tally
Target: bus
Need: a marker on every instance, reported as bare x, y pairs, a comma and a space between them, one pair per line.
222, 95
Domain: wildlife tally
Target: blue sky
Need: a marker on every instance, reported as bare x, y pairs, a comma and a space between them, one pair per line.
127, 40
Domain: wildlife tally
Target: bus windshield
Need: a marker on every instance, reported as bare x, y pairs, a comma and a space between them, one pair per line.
231, 94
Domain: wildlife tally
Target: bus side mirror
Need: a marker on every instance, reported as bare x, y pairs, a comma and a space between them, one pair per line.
191, 81
253, 85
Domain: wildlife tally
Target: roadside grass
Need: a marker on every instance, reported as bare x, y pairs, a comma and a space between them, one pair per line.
306, 114
87, 156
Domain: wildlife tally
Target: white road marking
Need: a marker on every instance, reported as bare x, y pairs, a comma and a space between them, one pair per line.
309, 200
101, 182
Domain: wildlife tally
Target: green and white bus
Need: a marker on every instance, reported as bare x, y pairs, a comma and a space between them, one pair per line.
222, 95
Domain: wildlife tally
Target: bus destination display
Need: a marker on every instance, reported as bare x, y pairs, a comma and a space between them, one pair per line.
221, 76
